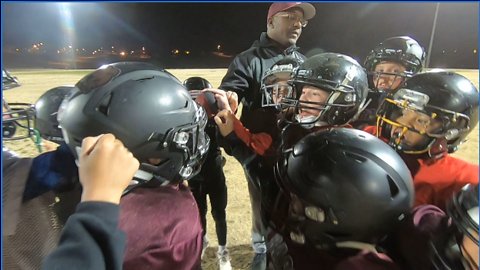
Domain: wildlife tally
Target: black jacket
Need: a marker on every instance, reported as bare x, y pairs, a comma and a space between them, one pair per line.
244, 76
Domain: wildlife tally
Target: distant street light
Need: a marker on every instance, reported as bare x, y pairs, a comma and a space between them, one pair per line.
430, 45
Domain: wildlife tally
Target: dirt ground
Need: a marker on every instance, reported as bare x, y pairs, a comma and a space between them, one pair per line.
36, 82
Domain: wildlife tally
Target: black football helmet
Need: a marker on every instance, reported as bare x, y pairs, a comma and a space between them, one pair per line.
46, 109
17, 118
197, 83
275, 82
147, 109
449, 248
447, 98
339, 75
402, 50
207, 99
344, 185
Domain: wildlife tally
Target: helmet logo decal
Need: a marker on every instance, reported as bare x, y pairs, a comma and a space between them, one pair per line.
351, 74
278, 68
98, 78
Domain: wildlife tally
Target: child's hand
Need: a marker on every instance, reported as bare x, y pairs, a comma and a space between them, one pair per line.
224, 120
225, 100
106, 168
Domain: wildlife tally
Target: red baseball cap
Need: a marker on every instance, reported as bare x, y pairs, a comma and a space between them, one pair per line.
308, 9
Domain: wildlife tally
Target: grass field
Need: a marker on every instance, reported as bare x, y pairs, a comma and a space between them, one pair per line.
36, 82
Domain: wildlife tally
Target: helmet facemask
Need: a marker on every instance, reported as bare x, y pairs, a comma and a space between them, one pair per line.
324, 103
193, 141
386, 82
413, 127
273, 94
276, 85
387, 75
186, 145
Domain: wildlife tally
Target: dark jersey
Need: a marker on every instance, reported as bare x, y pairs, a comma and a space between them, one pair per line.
163, 228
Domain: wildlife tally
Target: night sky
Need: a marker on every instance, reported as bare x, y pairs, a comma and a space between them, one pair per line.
350, 28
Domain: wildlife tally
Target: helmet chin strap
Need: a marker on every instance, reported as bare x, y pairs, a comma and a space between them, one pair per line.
435, 149
308, 122
362, 107
304, 119
142, 178
299, 238
142, 175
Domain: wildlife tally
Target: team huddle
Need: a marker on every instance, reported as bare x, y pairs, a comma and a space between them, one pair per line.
348, 166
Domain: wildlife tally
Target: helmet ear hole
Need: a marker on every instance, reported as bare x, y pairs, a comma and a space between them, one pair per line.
393, 187
9, 130
105, 104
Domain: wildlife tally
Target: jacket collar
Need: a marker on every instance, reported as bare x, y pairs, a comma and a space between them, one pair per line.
266, 42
